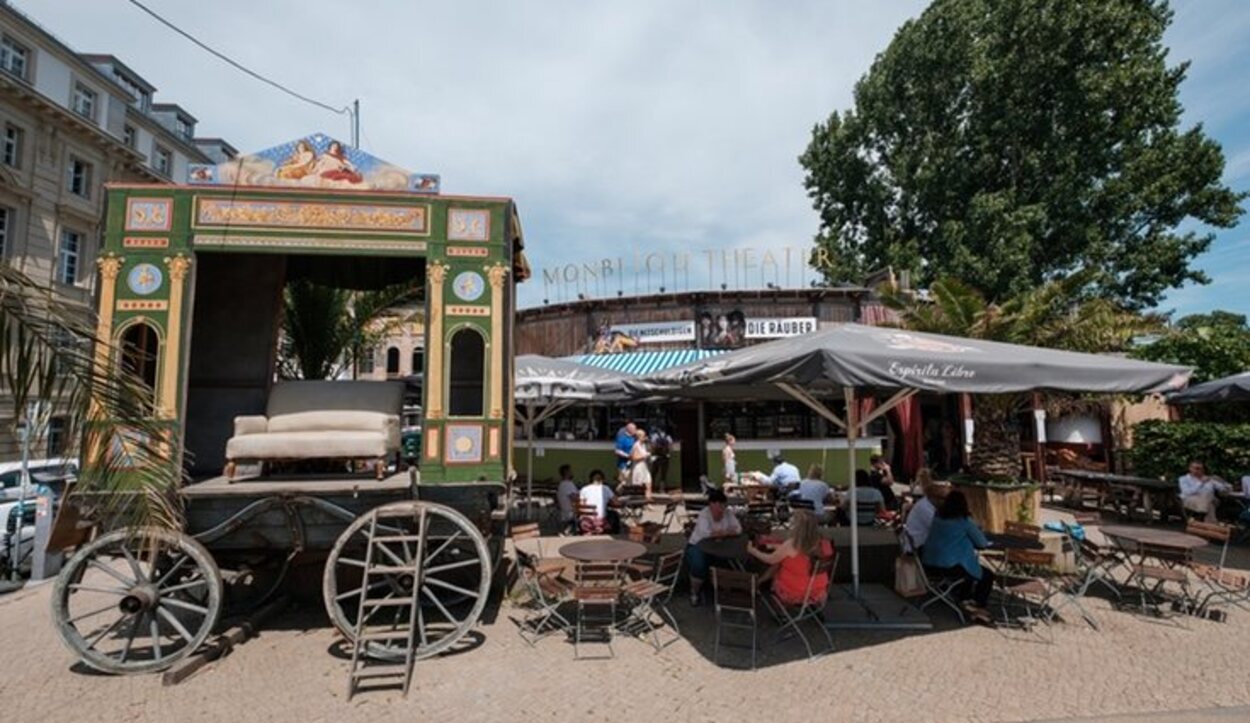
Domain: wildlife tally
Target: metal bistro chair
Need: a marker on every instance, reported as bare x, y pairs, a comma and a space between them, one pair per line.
670, 514
1151, 579
793, 616
1026, 576
1223, 585
939, 590
693, 505
532, 531
597, 590
734, 596
547, 593
649, 599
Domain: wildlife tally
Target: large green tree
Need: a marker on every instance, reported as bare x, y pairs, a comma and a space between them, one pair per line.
1010, 142
1215, 345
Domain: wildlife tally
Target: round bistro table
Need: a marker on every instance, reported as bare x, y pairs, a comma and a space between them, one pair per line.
603, 550
1153, 536
733, 548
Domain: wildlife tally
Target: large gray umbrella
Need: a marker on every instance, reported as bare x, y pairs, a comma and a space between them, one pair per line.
842, 360
1229, 389
545, 386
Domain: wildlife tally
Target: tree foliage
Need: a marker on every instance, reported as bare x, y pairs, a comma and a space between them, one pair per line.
1163, 449
325, 330
1010, 142
1216, 345
47, 356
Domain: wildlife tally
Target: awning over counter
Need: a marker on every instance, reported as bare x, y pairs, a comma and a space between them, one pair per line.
645, 362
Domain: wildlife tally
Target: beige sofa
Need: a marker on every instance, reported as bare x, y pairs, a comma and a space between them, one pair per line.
321, 420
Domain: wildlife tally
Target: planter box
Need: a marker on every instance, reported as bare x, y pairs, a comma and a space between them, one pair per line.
991, 507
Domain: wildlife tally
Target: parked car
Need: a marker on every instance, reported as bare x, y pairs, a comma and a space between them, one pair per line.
48, 477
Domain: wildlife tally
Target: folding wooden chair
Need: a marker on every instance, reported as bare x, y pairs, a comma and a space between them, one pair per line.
649, 599
1223, 585
670, 513
596, 590
1026, 576
936, 589
734, 595
531, 531
547, 592
1160, 566
793, 616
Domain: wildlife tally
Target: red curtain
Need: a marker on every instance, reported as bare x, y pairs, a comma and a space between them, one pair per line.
911, 430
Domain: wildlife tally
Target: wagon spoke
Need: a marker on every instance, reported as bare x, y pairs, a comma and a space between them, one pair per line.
362, 588
437, 603
352, 562
93, 613
91, 642
154, 629
394, 558
135, 621
134, 564
95, 588
184, 586
111, 572
174, 621
184, 605
443, 546
454, 588
170, 572
421, 626
453, 566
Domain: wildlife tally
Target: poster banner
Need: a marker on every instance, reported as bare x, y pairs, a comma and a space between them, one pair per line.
778, 328
615, 338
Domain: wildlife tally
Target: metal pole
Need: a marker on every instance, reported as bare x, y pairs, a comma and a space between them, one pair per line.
15, 546
356, 123
529, 456
852, 432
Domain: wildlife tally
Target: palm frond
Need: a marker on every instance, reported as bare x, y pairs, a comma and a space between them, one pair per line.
48, 354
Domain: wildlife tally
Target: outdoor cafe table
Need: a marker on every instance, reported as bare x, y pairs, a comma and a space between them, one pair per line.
1150, 488
730, 549
1153, 536
1011, 542
608, 550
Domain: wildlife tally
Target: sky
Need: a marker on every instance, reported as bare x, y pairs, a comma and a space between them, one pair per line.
620, 128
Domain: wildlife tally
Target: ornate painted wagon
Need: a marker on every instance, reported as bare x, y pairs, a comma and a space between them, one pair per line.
190, 291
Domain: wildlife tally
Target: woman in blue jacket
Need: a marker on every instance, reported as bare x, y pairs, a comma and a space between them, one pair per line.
951, 551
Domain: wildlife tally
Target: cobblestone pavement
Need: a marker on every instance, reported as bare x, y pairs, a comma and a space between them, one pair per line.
297, 672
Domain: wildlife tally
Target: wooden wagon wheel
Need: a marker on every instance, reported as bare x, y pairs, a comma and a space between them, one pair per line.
454, 574
137, 601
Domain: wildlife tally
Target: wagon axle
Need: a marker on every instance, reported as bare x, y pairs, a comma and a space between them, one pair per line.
141, 598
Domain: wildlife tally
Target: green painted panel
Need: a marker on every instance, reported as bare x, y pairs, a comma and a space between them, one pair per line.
833, 460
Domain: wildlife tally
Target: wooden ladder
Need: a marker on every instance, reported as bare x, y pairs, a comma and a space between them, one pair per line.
362, 666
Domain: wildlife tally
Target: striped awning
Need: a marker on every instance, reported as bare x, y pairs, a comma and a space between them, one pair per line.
644, 362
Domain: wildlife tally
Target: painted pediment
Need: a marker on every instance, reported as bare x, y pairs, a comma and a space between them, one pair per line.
314, 161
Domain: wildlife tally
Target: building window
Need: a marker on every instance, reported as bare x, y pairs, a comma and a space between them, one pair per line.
6, 222
67, 260
13, 57
129, 136
142, 101
163, 161
467, 385
392, 362
365, 364
418, 361
140, 353
84, 101
79, 177
183, 128
12, 152
56, 437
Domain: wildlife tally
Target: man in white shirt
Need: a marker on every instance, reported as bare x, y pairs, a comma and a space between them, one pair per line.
601, 497
567, 496
920, 519
1199, 491
784, 474
715, 520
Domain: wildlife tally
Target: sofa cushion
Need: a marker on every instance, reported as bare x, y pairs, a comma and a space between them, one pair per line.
309, 445
326, 396
330, 421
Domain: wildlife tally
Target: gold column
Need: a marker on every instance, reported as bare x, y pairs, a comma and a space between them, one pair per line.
167, 402
437, 274
497, 274
110, 266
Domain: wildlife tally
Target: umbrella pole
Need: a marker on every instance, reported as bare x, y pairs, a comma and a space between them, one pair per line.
529, 457
852, 433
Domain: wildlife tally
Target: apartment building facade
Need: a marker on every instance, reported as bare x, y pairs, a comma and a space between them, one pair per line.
69, 123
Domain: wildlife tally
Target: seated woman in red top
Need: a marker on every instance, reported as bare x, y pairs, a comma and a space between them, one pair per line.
790, 564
